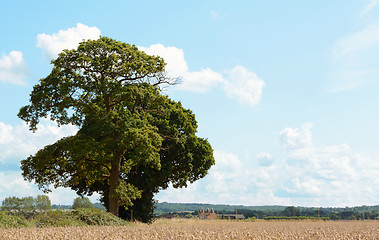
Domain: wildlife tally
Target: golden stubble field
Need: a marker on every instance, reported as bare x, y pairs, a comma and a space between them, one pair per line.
203, 229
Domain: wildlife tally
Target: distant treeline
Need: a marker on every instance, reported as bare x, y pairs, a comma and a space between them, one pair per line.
58, 206
261, 212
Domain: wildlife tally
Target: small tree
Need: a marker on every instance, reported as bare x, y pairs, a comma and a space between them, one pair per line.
27, 204
42, 202
82, 202
11, 203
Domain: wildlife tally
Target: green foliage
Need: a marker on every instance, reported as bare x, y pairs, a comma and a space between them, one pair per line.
11, 221
132, 139
189, 216
59, 218
260, 212
11, 203
250, 219
142, 209
295, 218
78, 217
184, 158
82, 202
56, 218
41, 202
97, 217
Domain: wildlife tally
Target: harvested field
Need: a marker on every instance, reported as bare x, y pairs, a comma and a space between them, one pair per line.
217, 229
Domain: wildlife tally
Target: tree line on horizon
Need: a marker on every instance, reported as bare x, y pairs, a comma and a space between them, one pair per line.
262, 212
43, 203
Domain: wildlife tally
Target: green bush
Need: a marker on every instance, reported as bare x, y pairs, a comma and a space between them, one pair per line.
10, 221
251, 219
59, 218
189, 216
97, 217
56, 218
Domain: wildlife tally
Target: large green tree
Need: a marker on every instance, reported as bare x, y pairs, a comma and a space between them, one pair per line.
110, 90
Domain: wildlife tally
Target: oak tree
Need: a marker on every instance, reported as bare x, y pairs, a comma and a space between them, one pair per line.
111, 91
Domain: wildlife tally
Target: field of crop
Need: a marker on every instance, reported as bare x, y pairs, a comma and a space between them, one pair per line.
217, 229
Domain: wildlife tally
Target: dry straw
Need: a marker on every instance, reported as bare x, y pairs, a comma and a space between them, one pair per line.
217, 229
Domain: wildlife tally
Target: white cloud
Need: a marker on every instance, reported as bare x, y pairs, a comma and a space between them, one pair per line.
226, 175
201, 82
295, 137
222, 183
53, 44
332, 175
13, 68
13, 184
264, 159
17, 142
244, 85
239, 83
306, 175
66, 196
174, 58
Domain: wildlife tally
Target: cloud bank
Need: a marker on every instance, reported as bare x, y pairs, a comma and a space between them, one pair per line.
53, 44
238, 83
17, 143
13, 68
306, 175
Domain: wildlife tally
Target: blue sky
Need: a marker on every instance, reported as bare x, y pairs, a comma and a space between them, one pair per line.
285, 91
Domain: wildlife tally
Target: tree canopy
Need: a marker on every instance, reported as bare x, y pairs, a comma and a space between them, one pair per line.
41, 202
82, 202
132, 139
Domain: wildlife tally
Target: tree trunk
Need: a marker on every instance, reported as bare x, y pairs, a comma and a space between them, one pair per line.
114, 180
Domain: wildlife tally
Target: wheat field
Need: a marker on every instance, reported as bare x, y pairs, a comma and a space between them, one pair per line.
216, 229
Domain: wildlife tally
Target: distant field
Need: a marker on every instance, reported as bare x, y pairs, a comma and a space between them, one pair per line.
216, 229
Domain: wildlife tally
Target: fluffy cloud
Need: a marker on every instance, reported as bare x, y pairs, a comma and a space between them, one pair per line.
222, 183
330, 175
13, 184
13, 68
264, 159
306, 175
17, 142
295, 137
174, 57
238, 83
53, 44
244, 85
201, 82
